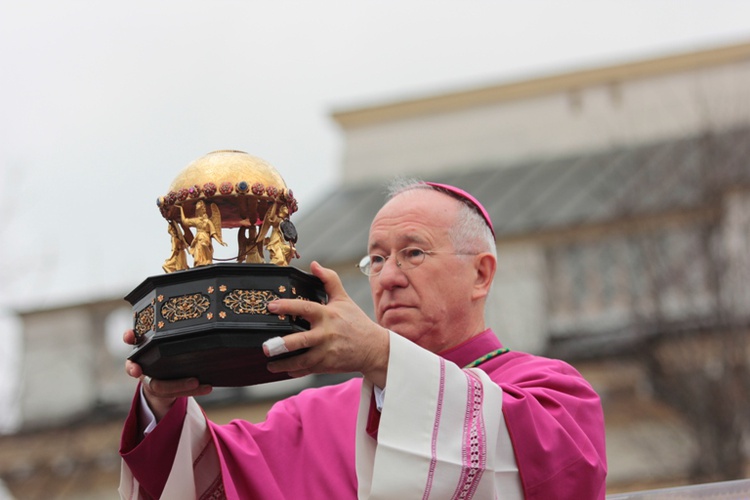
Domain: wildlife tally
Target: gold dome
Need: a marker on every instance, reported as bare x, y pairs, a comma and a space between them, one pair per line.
242, 186
227, 166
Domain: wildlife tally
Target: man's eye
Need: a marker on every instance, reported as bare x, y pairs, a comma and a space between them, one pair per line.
376, 259
413, 253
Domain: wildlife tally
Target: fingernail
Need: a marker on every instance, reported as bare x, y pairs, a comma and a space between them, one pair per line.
272, 306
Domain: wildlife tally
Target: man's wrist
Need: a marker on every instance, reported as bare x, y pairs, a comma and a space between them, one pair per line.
377, 372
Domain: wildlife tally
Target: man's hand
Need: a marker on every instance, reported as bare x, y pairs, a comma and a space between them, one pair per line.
161, 394
342, 338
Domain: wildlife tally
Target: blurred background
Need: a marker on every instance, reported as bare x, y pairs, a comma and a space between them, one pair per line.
610, 141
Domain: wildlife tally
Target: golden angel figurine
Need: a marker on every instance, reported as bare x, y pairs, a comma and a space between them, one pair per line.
279, 251
178, 260
207, 229
249, 248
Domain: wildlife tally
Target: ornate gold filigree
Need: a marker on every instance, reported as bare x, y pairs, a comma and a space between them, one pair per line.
185, 307
249, 301
282, 289
144, 321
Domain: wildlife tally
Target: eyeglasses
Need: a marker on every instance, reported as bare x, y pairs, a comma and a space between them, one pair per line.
406, 258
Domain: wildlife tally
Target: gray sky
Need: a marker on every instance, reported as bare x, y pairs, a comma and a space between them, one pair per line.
102, 103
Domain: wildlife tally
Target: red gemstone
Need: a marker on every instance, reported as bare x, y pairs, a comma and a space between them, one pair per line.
209, 189
226, 188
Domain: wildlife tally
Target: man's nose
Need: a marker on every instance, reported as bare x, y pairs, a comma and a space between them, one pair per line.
392, 273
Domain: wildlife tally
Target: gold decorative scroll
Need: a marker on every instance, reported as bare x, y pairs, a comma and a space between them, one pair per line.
144, 321
185, 307
249, 301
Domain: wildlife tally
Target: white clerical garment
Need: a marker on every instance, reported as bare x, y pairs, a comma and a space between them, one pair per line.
441, 433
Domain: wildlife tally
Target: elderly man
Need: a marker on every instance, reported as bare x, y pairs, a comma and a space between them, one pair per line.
442, 409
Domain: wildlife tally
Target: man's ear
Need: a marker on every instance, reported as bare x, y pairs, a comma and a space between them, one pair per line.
485, 265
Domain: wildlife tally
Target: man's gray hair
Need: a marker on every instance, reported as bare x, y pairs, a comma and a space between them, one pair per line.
469, 234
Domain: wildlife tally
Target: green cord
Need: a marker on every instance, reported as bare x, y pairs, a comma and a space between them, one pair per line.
486, 357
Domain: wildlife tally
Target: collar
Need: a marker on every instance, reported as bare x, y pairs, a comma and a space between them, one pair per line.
471, 349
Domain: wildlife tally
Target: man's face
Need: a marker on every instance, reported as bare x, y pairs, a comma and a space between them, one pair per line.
429, 304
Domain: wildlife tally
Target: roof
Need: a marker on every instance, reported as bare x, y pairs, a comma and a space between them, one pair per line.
548, 195
336, 229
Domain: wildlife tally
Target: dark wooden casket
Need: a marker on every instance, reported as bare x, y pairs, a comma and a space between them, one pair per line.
210, 322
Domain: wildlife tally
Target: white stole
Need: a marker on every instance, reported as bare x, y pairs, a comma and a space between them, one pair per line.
442, 433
